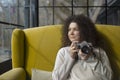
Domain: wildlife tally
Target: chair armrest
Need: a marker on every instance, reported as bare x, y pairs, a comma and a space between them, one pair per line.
17, 48
14, 74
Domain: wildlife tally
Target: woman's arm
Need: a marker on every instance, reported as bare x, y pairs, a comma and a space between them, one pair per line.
63, 65
104, 68
107, 71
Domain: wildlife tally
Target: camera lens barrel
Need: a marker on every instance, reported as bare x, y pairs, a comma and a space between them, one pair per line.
85, 47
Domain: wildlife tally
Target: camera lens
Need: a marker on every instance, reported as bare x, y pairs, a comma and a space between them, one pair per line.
86, 49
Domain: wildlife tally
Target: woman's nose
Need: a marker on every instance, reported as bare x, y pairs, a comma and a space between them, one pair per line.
71, 32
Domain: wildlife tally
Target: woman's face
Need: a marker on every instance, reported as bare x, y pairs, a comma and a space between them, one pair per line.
73, 32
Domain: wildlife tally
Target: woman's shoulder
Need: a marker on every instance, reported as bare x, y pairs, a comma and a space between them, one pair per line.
64, 48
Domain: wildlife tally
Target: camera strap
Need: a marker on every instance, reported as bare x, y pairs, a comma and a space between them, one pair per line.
97, 54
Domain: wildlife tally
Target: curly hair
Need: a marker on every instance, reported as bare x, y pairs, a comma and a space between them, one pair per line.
87, 30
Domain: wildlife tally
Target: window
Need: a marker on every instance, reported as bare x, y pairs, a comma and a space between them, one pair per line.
11, 16
33, 13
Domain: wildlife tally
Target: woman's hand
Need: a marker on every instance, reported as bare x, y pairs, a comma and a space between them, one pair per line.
74, 49
74, 52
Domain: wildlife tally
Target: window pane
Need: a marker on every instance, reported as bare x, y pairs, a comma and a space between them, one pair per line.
5, 14
21, 2
62, 2
13, 15
45, 16
102, 16
9, 15
94, 12
113, 16
45, 2
96, 2
80, 2
5, 41
21, 16
80, 11
61, 14
118, 14
7, 3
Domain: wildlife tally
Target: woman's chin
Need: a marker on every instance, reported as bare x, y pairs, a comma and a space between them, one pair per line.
73, 40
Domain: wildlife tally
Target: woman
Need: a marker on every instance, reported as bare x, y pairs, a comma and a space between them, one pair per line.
72, 62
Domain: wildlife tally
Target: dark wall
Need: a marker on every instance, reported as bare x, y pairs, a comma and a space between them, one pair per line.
5, 66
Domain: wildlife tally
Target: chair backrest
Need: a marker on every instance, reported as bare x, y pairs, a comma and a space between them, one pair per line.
37, 47
111, 43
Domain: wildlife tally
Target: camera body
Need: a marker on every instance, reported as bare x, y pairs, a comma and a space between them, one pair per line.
85, 47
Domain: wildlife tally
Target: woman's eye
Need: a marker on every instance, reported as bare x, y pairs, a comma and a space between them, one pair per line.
69, 29
76, 29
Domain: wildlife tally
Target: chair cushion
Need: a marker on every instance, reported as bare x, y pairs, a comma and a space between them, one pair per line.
41, 75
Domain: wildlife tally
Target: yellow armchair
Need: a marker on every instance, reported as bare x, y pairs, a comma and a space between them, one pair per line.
37, 48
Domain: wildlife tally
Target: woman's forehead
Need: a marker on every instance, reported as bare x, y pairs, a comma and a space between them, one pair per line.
73, 25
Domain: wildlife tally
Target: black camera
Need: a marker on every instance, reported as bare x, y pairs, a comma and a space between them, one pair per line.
85, 47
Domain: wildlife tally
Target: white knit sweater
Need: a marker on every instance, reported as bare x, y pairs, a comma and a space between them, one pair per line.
94, 68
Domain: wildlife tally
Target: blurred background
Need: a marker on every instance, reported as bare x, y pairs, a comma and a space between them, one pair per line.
33, 13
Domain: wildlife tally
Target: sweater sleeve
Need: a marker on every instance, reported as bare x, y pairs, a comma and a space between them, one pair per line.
63, 65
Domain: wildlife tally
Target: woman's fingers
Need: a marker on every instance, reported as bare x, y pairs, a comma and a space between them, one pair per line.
73, 49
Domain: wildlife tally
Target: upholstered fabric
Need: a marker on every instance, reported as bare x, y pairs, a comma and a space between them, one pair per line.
14, 74
18, 48
41, 75
41, 45
111, 42
37, 47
